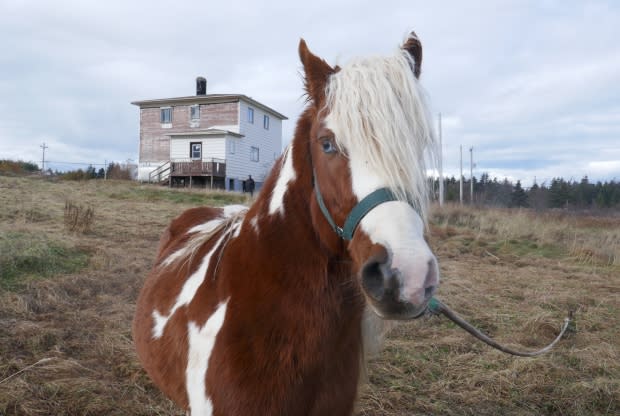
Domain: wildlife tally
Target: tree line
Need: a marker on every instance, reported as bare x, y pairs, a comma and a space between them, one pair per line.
560, 193
112, 171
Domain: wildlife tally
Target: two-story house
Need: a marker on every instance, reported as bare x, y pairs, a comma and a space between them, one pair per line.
209, 140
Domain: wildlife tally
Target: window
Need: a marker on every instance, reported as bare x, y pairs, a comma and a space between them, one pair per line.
194, 112
195, 150
254, 154
232, 147
266, 122
166, 115
250, 115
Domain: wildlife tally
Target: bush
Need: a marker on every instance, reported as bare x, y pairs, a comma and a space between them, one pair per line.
78, 218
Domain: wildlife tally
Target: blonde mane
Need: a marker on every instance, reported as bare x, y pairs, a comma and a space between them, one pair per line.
202, 233
377, 107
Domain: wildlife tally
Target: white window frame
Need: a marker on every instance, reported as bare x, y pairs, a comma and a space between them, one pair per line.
250, 115
266, 122
165, 123
254, 154
191, 150
194, 112
232, 147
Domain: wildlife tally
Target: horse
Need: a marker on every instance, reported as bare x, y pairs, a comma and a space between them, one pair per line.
272, 309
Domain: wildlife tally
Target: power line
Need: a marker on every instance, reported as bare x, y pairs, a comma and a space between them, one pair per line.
77, 163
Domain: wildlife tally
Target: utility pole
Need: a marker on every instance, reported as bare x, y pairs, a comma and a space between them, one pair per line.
105, 170
440, 165
471, 175
43, 146
461, 179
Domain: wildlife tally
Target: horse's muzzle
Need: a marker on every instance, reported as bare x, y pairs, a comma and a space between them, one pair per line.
384, 287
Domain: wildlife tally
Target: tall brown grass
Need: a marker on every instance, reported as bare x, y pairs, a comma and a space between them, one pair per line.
587, 238
65, 340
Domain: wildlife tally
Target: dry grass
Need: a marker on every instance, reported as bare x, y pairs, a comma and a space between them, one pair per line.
66, 349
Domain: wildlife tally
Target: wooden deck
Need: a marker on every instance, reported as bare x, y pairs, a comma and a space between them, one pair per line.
212, 167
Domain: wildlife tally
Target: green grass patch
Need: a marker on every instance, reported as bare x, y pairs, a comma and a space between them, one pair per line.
522, 248
208, 198
26, 256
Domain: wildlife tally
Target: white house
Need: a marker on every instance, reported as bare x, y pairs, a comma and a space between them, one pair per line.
212, 140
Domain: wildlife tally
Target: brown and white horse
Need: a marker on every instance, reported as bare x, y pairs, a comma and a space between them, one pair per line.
270, 310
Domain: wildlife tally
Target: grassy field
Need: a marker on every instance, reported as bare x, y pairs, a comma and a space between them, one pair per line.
69, 280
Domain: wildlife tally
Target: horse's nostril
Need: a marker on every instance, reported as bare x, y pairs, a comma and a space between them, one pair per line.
372, 279
428, 292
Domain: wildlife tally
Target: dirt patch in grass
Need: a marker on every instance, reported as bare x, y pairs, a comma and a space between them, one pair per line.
65, 340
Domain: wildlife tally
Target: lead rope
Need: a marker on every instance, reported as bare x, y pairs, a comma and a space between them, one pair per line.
436, 307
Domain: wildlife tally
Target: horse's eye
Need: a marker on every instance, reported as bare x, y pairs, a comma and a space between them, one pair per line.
328, 146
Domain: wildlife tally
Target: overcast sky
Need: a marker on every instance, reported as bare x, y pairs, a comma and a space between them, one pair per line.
533, 86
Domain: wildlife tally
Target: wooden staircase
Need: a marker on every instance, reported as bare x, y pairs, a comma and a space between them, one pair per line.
161, 175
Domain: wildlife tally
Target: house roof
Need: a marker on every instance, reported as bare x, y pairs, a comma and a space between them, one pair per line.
207, 132
207, 99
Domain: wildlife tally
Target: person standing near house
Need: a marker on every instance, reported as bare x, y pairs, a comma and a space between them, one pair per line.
249, 185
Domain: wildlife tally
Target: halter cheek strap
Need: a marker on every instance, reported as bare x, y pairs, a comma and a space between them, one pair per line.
358, 212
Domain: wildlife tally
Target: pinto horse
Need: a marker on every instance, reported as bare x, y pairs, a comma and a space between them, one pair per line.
271, 310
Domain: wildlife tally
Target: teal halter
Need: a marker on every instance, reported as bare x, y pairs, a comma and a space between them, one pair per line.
358, 212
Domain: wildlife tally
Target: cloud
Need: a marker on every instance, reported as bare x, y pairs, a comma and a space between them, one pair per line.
531, 85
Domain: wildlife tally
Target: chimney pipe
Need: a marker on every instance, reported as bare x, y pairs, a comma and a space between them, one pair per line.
201, 86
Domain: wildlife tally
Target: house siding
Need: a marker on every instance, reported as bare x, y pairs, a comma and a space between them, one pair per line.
269, 143
212, 147
155, 139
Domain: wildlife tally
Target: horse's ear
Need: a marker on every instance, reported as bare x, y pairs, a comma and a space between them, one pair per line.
316, 72
414, 47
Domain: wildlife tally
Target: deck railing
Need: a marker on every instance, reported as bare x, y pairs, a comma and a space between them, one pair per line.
161, 173
208, 167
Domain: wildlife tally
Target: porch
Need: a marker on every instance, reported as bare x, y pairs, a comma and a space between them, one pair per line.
206, 167
206, 173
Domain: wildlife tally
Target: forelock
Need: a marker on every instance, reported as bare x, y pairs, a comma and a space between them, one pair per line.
378, 110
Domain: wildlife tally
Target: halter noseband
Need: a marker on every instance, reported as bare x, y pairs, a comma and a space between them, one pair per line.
358, 212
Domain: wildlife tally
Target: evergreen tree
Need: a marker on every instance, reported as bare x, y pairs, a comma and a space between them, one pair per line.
559, 196
91, 172
518, 198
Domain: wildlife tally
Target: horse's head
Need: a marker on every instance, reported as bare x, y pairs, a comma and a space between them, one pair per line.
369, 132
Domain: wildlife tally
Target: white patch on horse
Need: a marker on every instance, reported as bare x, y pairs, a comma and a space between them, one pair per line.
236, 230
159, 325
254, 224
232, 210
201, 343
187, 292
287, 174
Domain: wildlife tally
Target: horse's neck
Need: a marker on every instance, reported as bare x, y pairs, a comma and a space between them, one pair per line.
281, 219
